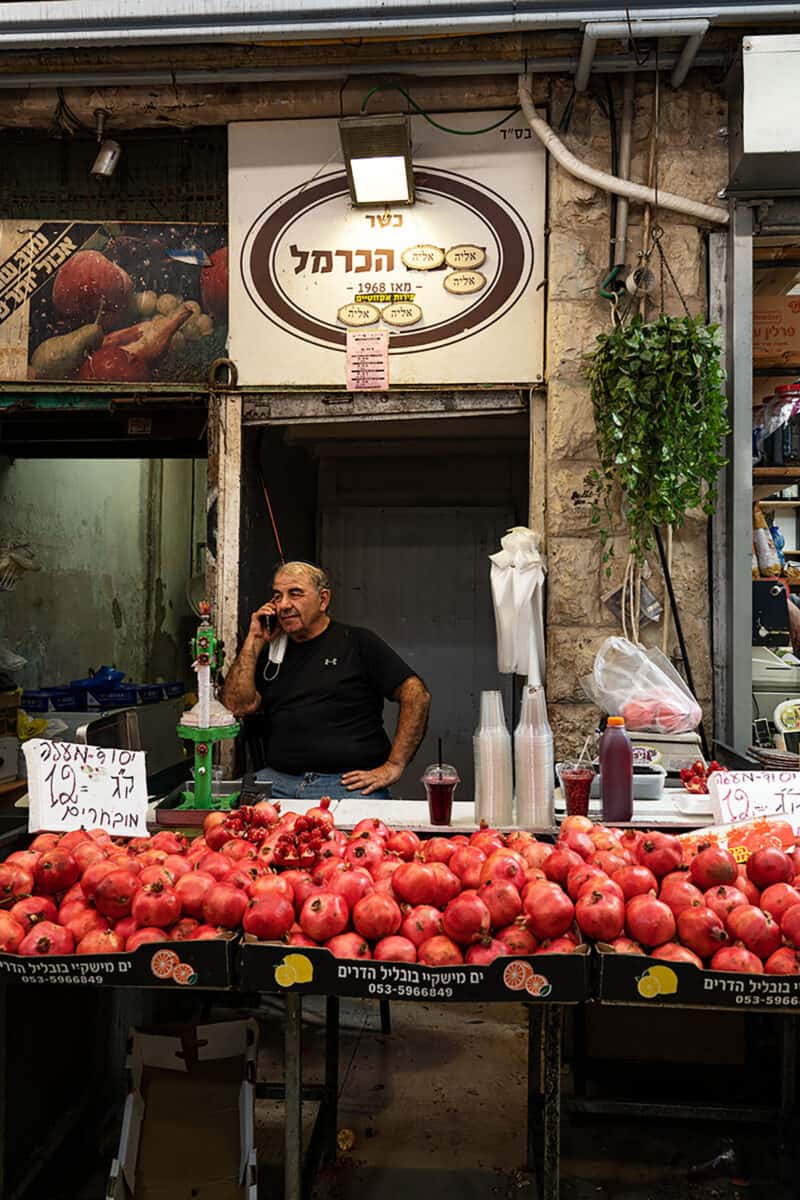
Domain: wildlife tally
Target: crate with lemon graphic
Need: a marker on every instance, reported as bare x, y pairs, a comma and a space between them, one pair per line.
638, 979
546, 978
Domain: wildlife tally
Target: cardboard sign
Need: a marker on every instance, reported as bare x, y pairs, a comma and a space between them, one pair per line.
367, 360
749, 795
85, 787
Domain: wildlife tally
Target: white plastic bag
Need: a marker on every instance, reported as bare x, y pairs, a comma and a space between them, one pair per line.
642, 686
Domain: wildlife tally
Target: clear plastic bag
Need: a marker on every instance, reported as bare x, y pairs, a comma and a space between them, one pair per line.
641, 685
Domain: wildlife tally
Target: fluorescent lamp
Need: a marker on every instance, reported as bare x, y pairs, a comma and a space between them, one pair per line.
377, 157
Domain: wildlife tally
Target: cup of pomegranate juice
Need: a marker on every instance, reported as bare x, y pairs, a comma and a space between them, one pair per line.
576, 783
440, 780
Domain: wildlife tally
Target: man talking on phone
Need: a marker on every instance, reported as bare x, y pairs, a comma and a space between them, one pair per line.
321, 685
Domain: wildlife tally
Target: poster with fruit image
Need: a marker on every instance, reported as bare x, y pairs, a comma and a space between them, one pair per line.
112, 302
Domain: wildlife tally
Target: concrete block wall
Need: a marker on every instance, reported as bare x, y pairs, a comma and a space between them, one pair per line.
692, 161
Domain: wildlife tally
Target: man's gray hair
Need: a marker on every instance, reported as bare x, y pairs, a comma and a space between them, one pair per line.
317, 576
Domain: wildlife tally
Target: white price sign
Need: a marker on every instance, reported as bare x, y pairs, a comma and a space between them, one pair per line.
750, 795
85, 787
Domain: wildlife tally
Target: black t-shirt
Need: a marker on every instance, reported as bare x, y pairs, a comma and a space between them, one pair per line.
324, 708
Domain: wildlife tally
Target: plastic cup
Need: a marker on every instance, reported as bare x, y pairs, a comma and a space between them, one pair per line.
440, 783
576, 783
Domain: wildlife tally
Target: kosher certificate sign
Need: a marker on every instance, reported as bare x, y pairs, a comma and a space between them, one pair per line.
85, 787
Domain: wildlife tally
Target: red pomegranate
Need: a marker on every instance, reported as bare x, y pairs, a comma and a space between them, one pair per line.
713, 867
416, 883
266, 885
47, 939
44, 841
142, 937
224, 905
75, 837
238, 849
486, 951
466, 919
582, 824
23, 858
269, 918
602, 884
660, 853
518, 938
680, 895
549, 910
364, 852
100, 941
778, 898
93, 874
395, 949
577, 877
321, 814
214, 863
324, 916
55, 871
635, 881
600, 916
488, 840
577, 840
502, 900
559, 945
181, 931
439, 951
785, 961
420, 923
790, 925
438, 849
506, 865
352, 885
537, 854
192, 890
348, 945
558, 864
304, 887
32, 909
701, 930
81, 923
624, 945
756, 929
447, 885
210, 933
608, 861
404, 843
649, 921
298, 939
672, 952
11, 933
167, 839
155, 874
722, 900
115, 893
769, 865
15, 883
737, 958
376, 917
87, 853
157, 904
125, 927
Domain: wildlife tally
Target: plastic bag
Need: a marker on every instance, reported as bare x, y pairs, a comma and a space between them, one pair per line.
642, 686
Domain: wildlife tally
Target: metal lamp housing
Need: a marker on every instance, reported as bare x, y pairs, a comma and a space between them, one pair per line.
377, 158
108, 155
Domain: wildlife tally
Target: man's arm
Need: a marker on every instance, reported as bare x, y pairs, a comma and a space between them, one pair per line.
414, 700
239, 692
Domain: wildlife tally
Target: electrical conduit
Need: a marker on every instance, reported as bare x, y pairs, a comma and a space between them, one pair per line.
601, 179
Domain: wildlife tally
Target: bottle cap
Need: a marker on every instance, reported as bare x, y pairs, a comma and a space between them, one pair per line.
616, 721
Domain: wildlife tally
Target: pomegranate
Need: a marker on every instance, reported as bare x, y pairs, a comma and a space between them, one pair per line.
577, 840
790, 925
142, 937
649, 921
722, 900
47, 939
785, 961
210, 933
73, 908
215, 864
125, 927
421, 923
32, 909
238, 849
155, 875
269, 918
352, 885
416, 883
447, 885
466, 919
713, 867
608, 861
114, 895
502, 900
12, 933
488, 840
218, 835
157, 904
23, 858
364, 853
395, 949
518, 938
769, 865
15, 883
582, 824
672, 952
296, 939
100, 941
486, 951
438, 849
600, 916
549, 910
577, 877
321, 815
166, 839
559, 945
75, 837
87, 853
635, 881
601, 884
537, 854
304, 886
759, 932
439, 951
81, 923
348, 945
191, 890
324, 916
701, 930
181, 931
405, 844
778, 898
558, 864
224, 905
680, 895
151, 858
624, 945
372, 826
44, 841
265, 885
737, 958
55, 871
239, 877
376, 917
506, 865
660, 853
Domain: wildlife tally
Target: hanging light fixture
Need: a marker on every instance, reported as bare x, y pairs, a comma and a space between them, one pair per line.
108, 154
377, 158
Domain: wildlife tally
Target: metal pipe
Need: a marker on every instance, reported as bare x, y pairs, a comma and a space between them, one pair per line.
601, 179
639, 26
688, 55
107, 22
625, 141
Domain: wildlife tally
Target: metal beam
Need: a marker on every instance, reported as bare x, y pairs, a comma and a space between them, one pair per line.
639, 27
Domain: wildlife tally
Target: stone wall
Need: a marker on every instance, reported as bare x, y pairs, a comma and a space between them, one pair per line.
692, 161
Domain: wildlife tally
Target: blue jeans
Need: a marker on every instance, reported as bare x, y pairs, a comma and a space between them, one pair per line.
312, 786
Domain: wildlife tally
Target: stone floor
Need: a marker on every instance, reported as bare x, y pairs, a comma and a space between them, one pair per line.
436, 1111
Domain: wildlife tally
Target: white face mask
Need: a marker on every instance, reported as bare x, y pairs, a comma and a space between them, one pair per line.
277, 649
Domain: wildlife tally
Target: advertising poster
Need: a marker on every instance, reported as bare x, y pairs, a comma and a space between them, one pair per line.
454, 280
112, 303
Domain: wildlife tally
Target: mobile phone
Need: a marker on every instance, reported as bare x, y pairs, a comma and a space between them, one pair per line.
268, 623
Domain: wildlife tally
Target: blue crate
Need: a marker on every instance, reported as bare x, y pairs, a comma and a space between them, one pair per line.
37, 701
174, 691
150, 693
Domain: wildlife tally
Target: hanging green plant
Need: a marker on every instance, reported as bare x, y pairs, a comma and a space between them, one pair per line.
660, 415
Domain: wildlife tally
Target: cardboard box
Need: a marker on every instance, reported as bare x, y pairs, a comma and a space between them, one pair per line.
551, 978
156, 964
776, 331
188, 1129
638, 979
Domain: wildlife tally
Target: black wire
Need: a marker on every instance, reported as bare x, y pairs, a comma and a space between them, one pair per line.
641, 58
395, 87
566, 116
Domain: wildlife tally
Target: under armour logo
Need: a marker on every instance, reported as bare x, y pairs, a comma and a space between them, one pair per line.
331, 662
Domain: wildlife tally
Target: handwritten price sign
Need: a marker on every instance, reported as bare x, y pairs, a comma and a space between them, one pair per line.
751, 795
85, 787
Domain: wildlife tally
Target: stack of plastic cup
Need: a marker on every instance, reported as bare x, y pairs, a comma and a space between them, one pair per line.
533, 761
492, 749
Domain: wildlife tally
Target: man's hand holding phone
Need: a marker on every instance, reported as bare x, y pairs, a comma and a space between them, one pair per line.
264, 627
